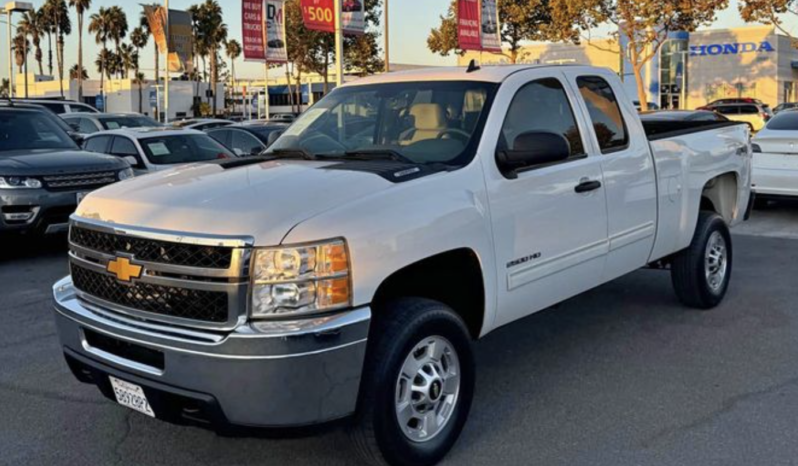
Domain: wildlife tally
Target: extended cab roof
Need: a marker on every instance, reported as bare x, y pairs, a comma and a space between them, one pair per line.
495, 74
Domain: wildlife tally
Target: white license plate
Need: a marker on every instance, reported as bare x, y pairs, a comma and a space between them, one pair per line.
131, 395
80, 196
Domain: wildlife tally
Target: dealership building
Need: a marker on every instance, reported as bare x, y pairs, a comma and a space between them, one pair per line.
691, 69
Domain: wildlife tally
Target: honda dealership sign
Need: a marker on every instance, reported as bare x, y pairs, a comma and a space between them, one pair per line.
730, 48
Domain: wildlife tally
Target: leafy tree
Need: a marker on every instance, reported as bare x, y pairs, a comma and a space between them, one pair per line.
770, 12
212, 32
128, 59
21, 46
5, 88
118, 29
644, 24
80, 6
521, 20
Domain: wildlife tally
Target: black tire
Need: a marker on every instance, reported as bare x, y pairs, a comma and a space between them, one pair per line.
396, 330
688, 270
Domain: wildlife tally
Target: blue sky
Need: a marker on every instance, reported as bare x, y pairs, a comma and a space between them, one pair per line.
410, 23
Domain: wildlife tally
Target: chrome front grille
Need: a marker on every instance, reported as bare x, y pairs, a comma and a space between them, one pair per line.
75, 181
185, 280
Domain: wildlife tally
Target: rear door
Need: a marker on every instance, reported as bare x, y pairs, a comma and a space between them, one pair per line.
550, 240
630, 184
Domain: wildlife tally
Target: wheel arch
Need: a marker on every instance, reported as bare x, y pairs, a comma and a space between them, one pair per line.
454, 277
720, 195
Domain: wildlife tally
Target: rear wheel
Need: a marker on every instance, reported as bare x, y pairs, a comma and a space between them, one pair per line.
701, 273
417, 385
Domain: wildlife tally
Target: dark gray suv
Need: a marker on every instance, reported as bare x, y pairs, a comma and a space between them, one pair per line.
43, 172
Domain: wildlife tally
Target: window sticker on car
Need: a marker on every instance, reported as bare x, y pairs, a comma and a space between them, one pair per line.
307, 119
158, 149
112, 125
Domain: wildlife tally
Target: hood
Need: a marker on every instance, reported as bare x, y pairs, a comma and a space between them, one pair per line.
56, 161
263, 201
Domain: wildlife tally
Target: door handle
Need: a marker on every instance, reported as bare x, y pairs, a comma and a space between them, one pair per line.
587, 185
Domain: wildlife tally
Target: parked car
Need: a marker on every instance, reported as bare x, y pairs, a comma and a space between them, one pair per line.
60, 106
246, 139
282, 118
92, 123
785, 106
651, 105
775, 172
154, 149
736, 100
43, 172
753, 114
347, 271
202, 124
683, 115
74, 135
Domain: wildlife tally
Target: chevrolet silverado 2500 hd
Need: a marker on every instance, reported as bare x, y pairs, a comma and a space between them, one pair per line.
345, 272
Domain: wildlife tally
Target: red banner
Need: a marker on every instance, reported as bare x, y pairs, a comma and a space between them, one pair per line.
318, 15
468, 25
252, 30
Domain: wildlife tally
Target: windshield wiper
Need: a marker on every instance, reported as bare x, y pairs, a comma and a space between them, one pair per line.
294, 152
372, 154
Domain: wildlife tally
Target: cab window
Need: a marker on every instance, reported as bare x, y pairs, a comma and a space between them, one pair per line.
98, 144
605, 113
542, 106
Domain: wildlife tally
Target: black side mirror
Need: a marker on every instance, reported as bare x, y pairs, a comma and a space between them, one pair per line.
77, 137
531, 149
273, 136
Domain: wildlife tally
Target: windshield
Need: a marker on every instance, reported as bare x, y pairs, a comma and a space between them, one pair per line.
167, 150
21, 130
263, 132
422, 122
787, 121
128, 122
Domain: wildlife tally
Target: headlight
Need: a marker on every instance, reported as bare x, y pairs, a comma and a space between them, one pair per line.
125, 174
19, 182
300, 280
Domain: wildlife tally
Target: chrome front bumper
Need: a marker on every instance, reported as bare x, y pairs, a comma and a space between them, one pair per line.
264, 374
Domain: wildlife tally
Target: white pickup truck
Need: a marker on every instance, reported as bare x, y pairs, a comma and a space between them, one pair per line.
345, 273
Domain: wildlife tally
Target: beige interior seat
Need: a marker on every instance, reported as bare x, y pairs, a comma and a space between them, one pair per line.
429, 121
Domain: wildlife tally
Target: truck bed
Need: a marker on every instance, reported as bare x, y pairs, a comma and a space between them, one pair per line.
663, 129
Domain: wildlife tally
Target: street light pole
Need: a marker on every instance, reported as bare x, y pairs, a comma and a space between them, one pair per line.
387, 41
10, 58
339, 45
166, 83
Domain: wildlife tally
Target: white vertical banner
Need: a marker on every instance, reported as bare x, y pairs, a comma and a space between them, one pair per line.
489, 19
275, 32
353, 16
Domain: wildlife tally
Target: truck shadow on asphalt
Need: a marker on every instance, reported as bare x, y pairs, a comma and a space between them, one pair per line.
26, 247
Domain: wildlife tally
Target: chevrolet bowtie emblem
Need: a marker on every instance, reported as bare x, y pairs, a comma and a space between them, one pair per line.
123, 269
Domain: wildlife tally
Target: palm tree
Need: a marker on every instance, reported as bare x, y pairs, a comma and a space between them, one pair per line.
31, 25
73, 73
62, 26
48, 27
144, 23
21, 46
139, 80
214, 31
128, 59
100, 24
118, 29
233, 50
80, 6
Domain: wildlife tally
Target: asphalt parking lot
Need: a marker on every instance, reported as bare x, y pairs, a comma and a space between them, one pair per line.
622, 375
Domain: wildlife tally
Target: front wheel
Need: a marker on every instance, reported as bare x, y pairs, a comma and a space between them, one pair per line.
417, 387
701, 273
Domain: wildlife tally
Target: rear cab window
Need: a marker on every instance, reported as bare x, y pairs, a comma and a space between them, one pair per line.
605, 113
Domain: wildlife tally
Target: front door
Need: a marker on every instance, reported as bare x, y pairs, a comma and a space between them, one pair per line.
549, 222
